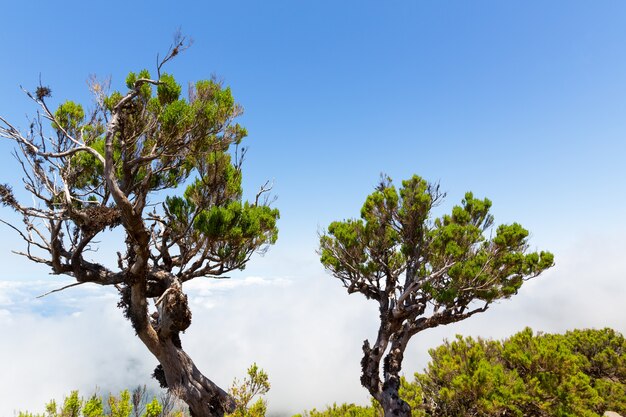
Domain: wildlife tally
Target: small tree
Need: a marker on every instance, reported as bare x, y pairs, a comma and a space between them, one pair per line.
255, 384
93, 407
153, 408
122, 406
423, 272
110, 168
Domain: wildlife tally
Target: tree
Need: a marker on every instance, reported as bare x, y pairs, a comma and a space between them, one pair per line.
256, 383
93, 407
122, 406
110, 169
422, 271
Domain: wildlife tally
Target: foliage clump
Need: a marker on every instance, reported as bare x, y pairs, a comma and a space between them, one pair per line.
255, 384
121, 405
137, 403
579, 373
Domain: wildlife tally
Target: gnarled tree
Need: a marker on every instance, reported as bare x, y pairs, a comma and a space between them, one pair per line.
422, 271
111, 169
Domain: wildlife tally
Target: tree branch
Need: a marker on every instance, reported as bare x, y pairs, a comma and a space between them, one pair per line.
61, 289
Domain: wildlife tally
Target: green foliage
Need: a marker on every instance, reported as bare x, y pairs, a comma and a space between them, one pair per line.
161, 141
575, 374
69, 116
579, 373
256, 383
120, 407
85, 169
153, 408
211, 206
168, 90
467, 380
27, 414
117, 406
72, 405
112, 100
396, 233
51, 409
93, 407
177, 137
343, 410
145, 90
236, 222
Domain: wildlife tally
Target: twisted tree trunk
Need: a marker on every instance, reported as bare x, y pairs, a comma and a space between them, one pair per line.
183, 378
385, 392
176, 370
160, 332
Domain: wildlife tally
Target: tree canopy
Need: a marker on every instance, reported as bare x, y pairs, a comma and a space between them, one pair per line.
423, 271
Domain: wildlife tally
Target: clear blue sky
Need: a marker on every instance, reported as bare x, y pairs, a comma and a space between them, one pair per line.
522, 101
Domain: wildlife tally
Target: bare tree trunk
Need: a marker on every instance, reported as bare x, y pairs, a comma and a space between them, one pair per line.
183, 378
387, 392
176, 371
393, 405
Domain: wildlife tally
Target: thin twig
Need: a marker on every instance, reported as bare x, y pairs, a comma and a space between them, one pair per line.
61, 289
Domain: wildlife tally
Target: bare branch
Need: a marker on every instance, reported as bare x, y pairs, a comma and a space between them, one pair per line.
181, 43
265, 188
61, 289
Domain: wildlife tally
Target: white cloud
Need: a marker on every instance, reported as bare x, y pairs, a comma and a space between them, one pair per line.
304, 330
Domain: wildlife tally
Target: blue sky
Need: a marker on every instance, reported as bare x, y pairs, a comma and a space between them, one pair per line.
522, 102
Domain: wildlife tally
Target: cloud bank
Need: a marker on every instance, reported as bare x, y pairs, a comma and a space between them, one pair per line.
304, 330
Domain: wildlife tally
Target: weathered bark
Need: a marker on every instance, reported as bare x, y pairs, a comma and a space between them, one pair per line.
183, 378
161, 335
177, 371
387, 392
389, 347
392, 404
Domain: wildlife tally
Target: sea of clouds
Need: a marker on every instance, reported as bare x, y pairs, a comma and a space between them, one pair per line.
303, 329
